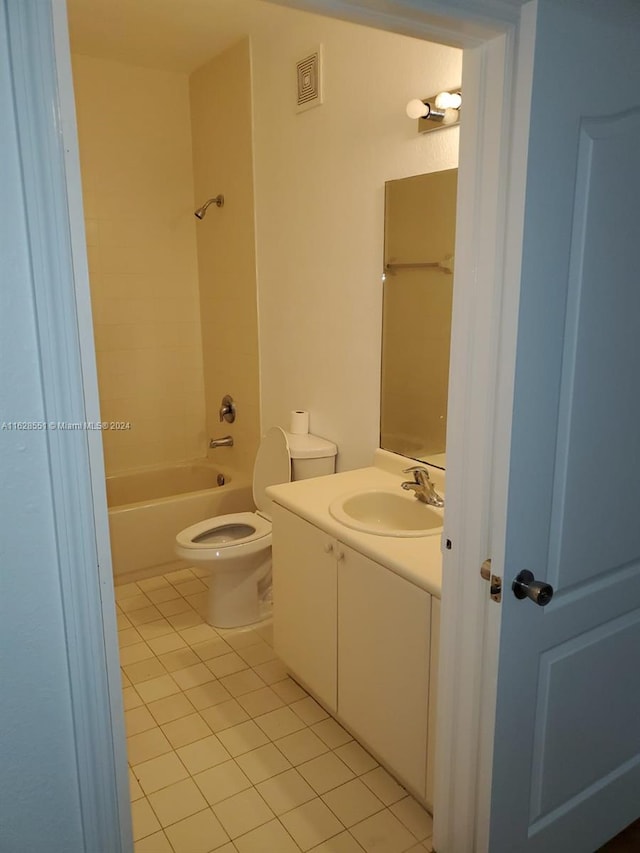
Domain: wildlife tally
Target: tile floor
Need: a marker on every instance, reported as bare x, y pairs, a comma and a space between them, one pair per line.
228, 753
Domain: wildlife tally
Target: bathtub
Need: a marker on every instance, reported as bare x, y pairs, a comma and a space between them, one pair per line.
147, 508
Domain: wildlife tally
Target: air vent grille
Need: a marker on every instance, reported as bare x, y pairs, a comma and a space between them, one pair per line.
309, 81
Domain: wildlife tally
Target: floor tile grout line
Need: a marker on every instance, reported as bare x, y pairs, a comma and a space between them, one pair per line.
288, 833
164, 827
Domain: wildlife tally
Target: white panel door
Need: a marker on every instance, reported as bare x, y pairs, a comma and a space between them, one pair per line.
567, 739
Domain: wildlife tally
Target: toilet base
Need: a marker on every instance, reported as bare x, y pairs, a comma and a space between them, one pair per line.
234, 600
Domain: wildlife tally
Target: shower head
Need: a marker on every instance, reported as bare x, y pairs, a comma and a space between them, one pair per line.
217, 200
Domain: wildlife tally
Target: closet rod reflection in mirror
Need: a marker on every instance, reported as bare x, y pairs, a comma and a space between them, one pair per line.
419, 238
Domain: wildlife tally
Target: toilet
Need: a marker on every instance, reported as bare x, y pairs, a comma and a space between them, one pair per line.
236, 548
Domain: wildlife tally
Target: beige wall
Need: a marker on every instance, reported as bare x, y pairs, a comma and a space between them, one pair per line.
135, 150
319, 209
223, 163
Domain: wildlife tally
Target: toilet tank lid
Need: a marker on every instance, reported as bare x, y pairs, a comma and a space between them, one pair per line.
310, 446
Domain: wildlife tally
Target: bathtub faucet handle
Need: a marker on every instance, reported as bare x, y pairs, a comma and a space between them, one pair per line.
227, 409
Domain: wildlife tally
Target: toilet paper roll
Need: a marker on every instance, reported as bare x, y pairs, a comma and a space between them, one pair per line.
299, 423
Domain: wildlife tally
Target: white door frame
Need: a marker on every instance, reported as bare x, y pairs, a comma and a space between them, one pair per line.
497, 41
44, 120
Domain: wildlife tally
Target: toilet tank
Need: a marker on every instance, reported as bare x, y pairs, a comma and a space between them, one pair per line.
311, 456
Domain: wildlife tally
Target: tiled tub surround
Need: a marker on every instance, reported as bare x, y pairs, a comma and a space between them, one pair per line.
138, 194
227, 753
220, 97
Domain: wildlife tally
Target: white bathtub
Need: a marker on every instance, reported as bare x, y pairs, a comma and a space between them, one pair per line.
147, 508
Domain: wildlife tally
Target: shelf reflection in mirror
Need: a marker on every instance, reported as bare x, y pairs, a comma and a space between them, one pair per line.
420, 219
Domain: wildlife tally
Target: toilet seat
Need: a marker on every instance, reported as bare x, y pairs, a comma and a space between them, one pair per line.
271, 468
229, 543
236, 548
241, 534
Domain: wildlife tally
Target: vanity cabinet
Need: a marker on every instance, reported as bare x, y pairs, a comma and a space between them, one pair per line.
358, 636
305, 582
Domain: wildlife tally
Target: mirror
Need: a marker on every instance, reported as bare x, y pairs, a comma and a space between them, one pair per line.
419, 238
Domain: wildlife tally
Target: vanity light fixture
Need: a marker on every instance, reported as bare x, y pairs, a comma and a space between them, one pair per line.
436, 112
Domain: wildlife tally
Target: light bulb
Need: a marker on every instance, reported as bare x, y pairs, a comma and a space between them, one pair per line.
448, 101
451, 116
417, 109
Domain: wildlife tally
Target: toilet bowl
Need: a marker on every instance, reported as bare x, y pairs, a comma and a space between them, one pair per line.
236, 548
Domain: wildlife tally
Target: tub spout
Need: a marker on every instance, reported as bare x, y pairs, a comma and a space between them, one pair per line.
227, 441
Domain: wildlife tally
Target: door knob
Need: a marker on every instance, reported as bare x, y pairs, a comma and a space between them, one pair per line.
526, 586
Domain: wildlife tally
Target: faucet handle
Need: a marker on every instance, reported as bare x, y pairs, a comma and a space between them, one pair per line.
227, 409
417, 471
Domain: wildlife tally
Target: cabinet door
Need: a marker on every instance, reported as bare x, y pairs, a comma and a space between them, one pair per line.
383, 663
305, 603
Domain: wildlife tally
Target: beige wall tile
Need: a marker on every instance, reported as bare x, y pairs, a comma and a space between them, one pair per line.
136, 160
223, 163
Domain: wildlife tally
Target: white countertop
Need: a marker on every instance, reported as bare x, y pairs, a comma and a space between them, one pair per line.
418, 559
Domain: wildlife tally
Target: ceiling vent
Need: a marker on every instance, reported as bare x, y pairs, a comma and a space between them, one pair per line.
309, 74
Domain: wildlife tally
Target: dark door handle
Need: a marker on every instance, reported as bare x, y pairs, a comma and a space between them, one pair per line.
526, 586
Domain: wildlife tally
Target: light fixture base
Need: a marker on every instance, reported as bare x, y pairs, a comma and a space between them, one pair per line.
439, 118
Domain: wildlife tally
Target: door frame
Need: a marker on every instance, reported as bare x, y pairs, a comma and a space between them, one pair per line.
43, 121
497, 38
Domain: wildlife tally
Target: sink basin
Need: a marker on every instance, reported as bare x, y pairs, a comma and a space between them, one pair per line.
386, 514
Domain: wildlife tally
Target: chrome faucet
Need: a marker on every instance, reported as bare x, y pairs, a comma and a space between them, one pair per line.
227, 409
422, 486
227, 441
